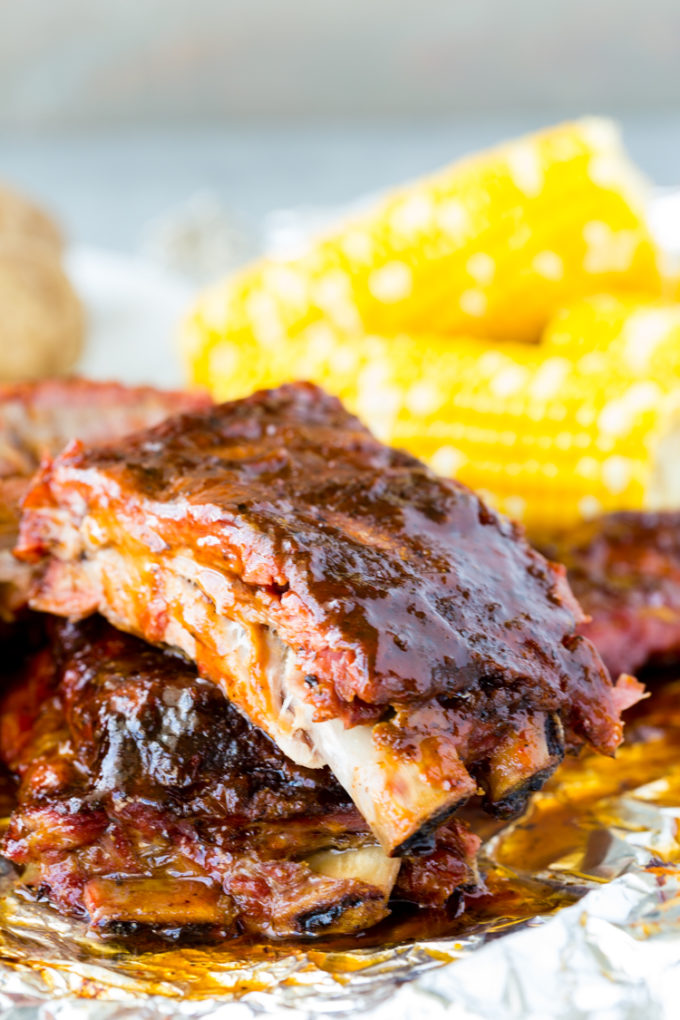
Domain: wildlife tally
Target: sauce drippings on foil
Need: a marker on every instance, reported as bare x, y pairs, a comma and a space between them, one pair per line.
535, 866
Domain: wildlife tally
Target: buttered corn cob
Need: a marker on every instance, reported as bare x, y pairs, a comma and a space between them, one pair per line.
391, 313
586, 421
489, 246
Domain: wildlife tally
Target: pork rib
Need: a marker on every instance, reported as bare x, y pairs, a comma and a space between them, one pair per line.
41, 418
625, 570
367, 614
147, 801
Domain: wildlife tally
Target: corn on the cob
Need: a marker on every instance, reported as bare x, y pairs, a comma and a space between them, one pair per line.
630, 327
487, 247
587, 420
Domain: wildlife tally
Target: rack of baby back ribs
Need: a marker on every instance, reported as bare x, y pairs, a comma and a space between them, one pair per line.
288, 655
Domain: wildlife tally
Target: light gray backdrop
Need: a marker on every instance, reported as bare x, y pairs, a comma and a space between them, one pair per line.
114, 112
89, 62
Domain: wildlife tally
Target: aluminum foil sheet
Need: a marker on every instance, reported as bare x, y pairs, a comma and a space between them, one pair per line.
581, 919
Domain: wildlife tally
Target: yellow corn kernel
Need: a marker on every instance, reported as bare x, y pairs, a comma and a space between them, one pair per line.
489, 246
586, 421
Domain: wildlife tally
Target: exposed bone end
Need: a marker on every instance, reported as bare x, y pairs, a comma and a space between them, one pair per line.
367, 864
523, 761
154, 901
402, 798
347, 907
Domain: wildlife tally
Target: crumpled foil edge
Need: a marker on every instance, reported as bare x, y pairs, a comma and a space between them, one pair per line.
614, 954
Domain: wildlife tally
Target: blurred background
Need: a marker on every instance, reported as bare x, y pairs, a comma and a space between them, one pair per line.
114, 114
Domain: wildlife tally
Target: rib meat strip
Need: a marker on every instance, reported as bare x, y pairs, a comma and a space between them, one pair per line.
625, 570
369, 615
148, 802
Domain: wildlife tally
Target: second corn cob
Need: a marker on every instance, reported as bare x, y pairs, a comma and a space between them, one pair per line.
584, 422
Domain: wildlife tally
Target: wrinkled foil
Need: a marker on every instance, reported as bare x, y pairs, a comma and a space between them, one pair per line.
598, 846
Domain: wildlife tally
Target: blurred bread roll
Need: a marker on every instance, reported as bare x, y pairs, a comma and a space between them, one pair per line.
20, 217
41, 318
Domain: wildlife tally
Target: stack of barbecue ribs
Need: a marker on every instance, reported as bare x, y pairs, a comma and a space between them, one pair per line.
270, 659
